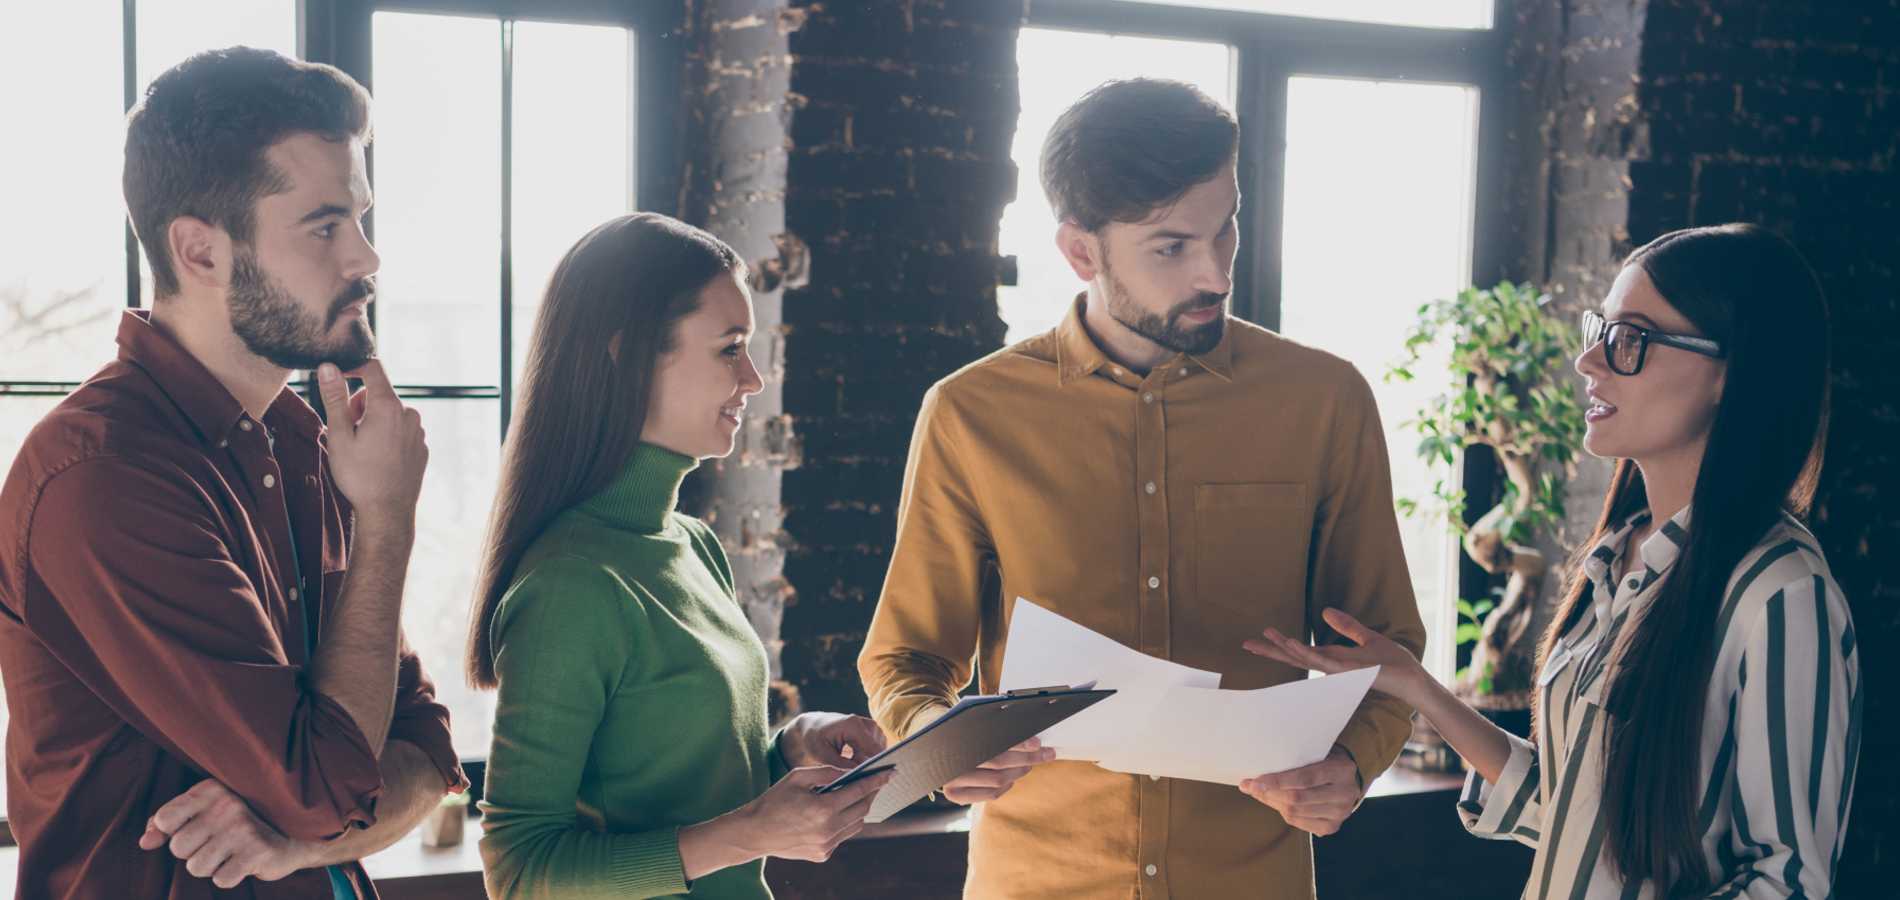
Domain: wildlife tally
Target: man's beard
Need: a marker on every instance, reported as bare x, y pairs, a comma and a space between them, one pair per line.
275, 326
1166, 330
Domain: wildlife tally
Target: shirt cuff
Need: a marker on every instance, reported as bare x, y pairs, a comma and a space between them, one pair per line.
1509, 809
432, 738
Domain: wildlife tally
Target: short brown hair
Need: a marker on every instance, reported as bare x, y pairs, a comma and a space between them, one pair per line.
1130, 147
194, 146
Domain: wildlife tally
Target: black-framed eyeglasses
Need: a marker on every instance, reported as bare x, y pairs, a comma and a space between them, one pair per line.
1625, 345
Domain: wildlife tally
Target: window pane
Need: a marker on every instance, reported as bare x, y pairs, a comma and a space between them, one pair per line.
1379, 200
170, 31
18, 415
573, 149
450, 523
1433, 14
1057, 68
62, 279
437, 172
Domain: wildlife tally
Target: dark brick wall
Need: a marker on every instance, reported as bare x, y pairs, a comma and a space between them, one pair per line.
1783, 112
1634, 117
875, 135
898, 176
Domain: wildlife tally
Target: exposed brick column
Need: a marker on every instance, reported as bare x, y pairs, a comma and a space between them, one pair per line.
1570, 138
877, 135
898, 176
734, 137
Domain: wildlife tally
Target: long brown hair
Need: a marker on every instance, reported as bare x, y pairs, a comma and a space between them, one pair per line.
581, 405
1749, 289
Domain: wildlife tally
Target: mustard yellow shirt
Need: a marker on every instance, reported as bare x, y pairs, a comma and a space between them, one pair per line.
1180, 513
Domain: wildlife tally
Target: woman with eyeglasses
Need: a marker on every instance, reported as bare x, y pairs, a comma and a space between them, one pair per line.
1698, 700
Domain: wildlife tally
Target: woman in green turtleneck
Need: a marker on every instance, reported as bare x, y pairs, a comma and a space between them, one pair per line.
631, 754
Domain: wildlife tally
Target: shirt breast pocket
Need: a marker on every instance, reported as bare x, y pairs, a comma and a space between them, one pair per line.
1251, 543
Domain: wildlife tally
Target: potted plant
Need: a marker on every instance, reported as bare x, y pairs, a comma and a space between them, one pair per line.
1507, 356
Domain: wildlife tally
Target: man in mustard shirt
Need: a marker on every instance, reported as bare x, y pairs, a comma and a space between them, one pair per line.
1165, 474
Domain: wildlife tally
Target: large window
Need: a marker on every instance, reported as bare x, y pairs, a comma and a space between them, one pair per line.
64, 281
1359, 168
1379, 182
499, 142
1426, 13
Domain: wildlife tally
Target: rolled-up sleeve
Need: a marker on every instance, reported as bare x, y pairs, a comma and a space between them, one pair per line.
1512, 809
147, 607
422, 721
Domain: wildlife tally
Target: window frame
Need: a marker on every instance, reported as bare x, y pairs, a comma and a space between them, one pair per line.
1270, 49
338, 32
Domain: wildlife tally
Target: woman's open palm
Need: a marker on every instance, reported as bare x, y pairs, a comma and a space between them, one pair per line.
1399, 670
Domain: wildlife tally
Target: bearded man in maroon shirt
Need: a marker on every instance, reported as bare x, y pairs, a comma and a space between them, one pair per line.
200, 579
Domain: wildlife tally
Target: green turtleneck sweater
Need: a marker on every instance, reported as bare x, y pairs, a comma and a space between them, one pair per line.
631, 702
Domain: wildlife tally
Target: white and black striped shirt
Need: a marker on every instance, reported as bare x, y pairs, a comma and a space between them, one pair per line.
1780, 735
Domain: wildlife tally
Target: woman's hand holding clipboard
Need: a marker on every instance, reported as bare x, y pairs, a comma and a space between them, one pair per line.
977, 730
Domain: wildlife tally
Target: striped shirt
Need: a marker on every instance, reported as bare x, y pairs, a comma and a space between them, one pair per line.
1780, 735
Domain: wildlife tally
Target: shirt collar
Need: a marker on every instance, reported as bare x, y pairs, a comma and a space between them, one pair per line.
1078, 356
210, 406
1658, 551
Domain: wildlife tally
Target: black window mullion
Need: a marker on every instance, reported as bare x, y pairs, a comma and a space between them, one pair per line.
1262, 101
129, 45
507, 221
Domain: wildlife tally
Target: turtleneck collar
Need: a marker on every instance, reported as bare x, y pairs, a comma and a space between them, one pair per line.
646, 490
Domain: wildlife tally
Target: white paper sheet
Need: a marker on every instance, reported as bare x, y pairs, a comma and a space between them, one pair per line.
1046, 649
1171, 720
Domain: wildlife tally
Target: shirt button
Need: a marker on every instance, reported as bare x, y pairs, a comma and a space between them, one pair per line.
244, 424
1635, 582
293, 595
1151, 487
1184, 372
224, 443
270, 481
1154, 582
1151, 870
1147, 398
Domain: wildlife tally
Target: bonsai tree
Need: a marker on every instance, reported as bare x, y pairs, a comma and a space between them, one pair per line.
1508, 389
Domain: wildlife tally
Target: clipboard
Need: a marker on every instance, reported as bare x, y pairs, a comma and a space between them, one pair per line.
975, 730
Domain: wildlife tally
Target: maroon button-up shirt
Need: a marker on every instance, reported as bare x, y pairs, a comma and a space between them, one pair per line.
154, 630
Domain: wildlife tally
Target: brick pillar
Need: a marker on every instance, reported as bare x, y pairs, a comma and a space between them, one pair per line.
1570, 138
898, 176
737, 116
871, 140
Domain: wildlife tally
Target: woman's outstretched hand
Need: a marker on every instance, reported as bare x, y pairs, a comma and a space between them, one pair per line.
1400, 673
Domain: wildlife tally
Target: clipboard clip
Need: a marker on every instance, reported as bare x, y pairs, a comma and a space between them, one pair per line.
1038, 691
